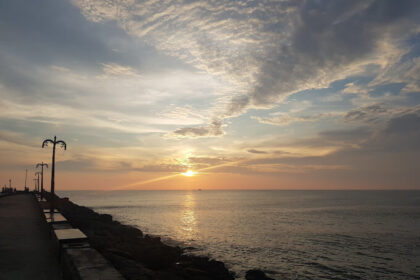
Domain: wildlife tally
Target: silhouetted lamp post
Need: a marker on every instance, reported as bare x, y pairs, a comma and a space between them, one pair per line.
35, 184
63, 145
42, 164
26, 176
37, 174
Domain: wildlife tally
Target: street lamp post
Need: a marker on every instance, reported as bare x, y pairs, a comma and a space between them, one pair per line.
63, 145
26, 176
42, 164
37, 174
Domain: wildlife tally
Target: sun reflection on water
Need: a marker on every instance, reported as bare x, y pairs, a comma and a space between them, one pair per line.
188, 220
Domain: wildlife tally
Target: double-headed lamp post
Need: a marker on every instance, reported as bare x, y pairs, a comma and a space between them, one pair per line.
42, 164
37, 174
54, 143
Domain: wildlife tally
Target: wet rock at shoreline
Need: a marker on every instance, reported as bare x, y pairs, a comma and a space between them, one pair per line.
256, 274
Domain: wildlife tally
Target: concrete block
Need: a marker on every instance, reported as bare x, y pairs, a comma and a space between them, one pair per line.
87, 264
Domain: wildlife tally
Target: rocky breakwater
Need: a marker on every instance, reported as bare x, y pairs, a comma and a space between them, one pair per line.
139, 256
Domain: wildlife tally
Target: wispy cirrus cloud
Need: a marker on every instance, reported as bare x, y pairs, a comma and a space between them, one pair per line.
114, 69
378, 112
264, 53
282, 119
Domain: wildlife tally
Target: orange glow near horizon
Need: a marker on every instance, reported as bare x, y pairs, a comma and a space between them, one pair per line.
211, 177
188, 173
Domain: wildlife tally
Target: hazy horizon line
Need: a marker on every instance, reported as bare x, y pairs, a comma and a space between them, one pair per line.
199, 189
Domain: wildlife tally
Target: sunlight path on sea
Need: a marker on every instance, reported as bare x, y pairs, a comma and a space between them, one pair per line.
188, 221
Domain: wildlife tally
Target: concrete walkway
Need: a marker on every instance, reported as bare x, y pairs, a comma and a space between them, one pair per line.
25, 248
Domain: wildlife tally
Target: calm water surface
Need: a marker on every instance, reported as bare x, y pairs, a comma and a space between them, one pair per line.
288, 234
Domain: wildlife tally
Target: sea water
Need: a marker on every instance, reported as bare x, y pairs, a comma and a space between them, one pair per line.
287, 234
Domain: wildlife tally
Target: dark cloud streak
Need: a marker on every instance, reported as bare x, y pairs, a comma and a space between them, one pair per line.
212, 130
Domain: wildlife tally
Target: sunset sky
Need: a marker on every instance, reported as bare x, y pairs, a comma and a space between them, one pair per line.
245, 94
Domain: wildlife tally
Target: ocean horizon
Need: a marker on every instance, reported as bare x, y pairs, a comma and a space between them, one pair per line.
289, 234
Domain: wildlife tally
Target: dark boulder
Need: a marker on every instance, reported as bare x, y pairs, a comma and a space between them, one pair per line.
256, 274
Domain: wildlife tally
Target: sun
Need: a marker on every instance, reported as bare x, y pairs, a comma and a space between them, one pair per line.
189, 173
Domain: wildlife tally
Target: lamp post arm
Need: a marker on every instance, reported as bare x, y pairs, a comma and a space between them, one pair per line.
62, 143
45, 143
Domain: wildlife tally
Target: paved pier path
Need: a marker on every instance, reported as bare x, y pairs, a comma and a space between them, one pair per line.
25, 248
